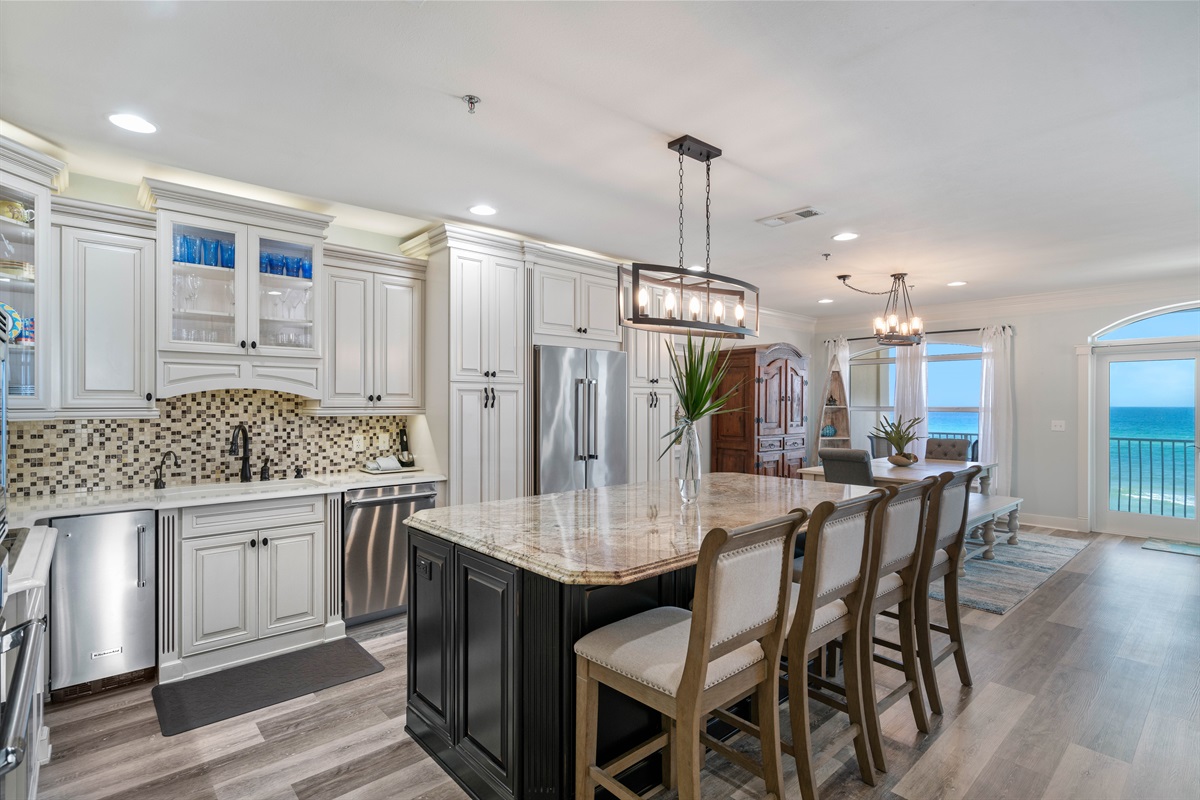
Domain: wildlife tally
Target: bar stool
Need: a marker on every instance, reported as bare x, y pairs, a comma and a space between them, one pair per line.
941, 553
685, 664
895, 548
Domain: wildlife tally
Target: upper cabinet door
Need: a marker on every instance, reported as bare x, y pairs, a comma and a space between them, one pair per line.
772, 393
282, 304
202, 294
797, 379
349, 360
554, 292
399, 344
470, 301
107, 291
28, 289
506, 301
598, 308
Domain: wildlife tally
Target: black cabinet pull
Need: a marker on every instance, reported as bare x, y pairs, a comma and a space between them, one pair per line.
253, 345
493, 398
485, 397
493, 373
254, 543
243, 344
585, 330
265, 540
149, 397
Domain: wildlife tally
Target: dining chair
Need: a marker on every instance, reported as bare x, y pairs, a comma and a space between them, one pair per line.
879, 446
845, 465
828, 603
948, 449
895, 548
686, 664
941, 552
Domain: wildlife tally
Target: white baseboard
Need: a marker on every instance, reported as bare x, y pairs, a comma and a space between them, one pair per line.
1061, 523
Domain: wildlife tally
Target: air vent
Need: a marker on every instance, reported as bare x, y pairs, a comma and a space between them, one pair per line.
775, 220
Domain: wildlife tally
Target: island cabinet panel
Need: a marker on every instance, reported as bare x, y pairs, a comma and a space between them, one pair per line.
430, 631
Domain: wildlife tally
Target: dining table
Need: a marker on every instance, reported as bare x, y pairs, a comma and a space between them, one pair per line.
885, 473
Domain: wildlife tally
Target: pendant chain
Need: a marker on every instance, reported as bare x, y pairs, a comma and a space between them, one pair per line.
681, 209
708, 215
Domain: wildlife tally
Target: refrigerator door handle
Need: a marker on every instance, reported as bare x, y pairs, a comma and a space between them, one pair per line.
580, 427
593, 402
141, 556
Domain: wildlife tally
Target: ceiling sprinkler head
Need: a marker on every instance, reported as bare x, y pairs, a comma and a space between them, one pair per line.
471, 101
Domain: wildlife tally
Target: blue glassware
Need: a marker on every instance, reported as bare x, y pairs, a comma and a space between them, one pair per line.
178, 251
209, 249
277, 264
306, 268
191, 249
227, 254
264, 262
291, 266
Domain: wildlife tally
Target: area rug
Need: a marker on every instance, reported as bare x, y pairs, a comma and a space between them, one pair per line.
997, 586
195, 702
1183, 548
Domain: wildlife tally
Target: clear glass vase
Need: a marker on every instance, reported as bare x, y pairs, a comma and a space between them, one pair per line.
687, 467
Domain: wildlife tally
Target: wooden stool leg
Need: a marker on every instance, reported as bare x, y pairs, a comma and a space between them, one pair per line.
768, 725
912, 672
852, 655
668, 752
688, 755
870, 705
801, 744
925, 648
954, 623
587, 711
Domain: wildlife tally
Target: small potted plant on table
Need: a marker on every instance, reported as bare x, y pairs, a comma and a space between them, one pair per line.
899, 435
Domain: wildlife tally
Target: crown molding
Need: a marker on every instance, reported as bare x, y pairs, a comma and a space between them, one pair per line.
539, 252
340, 255
71, 210
163, 196
460, 236
786, 319
32, 165
973, 311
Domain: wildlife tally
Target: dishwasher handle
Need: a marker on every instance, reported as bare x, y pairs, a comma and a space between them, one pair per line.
380, 501
15, 736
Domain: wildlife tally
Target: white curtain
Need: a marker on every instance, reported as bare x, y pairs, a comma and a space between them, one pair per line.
911, 395
996, 406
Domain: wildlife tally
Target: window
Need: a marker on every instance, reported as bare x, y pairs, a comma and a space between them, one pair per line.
1183, 324
953, 374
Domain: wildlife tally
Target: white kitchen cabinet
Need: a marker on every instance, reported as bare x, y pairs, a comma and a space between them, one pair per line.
375, 351
487, 317
572, 303
220, 591
649, 356
290, 578
487, 438
651, 414
107, 320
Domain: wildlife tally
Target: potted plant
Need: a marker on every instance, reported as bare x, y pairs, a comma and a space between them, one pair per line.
899, 435
697, 378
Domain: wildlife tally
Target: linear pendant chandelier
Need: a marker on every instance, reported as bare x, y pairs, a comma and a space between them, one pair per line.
899, 325
678, 300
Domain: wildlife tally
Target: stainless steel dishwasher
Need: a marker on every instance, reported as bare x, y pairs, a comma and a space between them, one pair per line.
375, 564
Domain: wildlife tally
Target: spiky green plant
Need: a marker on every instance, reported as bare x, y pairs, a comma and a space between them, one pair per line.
697, 378
899, 434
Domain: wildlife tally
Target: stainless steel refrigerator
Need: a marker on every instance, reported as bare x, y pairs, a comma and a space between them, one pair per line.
580, 420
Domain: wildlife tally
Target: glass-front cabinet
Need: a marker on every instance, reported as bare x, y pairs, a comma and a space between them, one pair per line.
24, 286
237, 289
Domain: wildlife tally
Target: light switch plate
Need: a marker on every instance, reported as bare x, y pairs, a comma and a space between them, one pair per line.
360, 443
1058, 424
384, 441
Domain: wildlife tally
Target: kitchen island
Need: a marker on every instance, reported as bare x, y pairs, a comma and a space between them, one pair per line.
500, 592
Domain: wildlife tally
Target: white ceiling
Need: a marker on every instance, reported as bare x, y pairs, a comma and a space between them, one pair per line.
1021, 147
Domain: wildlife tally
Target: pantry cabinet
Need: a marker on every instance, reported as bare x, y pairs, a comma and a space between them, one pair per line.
651, 416
487, 442
374, 353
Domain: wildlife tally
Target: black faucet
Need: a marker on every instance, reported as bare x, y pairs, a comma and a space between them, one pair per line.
245, 452
159, 479
265, 473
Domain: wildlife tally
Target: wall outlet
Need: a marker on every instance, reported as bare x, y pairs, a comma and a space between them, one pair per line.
384, 441
1058, 424
360, 443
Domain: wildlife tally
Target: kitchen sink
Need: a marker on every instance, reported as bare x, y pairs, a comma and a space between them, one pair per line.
212, 489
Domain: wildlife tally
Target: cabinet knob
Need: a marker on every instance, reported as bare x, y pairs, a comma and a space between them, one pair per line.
579, 330
254, 543
253, 345
264, 541
585, 330
149, 397
243, 344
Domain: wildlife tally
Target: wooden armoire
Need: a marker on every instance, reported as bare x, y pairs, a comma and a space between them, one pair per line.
767, 435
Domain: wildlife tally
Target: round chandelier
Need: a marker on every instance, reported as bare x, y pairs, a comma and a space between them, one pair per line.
679, 300
899, 325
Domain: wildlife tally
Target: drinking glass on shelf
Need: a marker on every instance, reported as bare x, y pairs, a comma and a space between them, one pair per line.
292, 267
178, 250
191, 249
176, 290
306, 268
209, 249
277, 264
227, 253
194, 282
264, 262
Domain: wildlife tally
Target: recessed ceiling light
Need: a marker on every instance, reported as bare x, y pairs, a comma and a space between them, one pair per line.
845, 237
957, 283
131, 122
483, 211
696, 268
825, 300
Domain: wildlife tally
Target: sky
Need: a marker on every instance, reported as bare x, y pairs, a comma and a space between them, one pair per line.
1169, 382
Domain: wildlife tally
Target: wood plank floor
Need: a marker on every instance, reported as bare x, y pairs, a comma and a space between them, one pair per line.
1089, 689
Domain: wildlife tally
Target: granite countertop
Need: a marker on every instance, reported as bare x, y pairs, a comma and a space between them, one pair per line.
620, 534
28, 511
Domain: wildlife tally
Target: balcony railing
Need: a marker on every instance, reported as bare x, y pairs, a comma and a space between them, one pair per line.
1152, 476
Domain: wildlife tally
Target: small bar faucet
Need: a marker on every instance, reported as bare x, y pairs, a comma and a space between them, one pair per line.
160, 481
245, 451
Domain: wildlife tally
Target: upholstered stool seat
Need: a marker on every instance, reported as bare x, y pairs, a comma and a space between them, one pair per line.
651, 648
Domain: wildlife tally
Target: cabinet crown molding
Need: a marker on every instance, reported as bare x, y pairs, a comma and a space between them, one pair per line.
156, 195
32, 165
72, 211
340, 255
540, 253
444, 236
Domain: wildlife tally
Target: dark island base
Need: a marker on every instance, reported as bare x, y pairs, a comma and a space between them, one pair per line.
491, 689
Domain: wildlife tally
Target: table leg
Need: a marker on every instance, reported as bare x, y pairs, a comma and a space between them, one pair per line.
1014, 525
985, 482
975, 532
989, 540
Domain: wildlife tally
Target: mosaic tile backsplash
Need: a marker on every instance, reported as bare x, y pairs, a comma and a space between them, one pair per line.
60, 456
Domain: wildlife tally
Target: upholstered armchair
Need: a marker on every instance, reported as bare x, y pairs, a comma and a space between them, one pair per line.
948, 449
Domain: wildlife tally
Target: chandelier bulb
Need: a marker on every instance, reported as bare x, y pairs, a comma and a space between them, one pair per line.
669, 304
718, 311
694, 307
643, 301
893, 322
739, 313
917, 324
